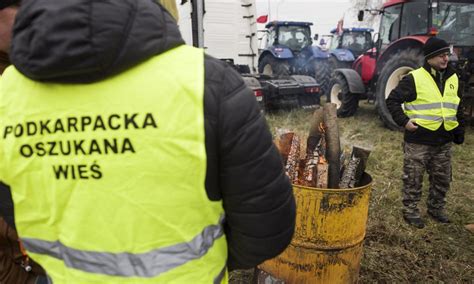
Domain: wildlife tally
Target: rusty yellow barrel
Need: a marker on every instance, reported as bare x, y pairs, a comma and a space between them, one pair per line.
328, 239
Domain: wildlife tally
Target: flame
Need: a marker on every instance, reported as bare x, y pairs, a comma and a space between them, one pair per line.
322, 128
322, 160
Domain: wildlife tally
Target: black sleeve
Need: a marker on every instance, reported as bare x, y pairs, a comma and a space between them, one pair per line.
461, 109
246, 170
6, 205
404, 92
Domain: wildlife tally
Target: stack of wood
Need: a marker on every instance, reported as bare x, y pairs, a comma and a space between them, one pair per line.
321, 164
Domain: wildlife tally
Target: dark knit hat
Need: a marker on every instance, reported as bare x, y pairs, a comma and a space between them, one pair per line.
435, 46
6, 3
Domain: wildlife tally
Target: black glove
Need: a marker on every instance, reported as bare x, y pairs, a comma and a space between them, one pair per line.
458, 135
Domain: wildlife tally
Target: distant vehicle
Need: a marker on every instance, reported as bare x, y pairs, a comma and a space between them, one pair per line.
284, 93
404, 28
325, 42
288, 50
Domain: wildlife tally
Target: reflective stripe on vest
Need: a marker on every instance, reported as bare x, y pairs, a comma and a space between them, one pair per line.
432, 106
150, 264
431, 109
433, 117
108, 178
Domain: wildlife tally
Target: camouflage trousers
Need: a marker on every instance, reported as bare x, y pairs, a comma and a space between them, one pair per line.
436, 161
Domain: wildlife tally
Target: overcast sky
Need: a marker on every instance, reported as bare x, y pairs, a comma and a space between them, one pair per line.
323, 14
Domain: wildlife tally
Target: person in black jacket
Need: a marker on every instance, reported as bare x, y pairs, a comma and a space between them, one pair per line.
432, 118
244, 168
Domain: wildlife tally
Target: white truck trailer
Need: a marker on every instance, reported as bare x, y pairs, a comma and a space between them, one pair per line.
229, 26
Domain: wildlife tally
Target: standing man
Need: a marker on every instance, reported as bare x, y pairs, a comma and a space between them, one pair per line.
432, 118
132, 157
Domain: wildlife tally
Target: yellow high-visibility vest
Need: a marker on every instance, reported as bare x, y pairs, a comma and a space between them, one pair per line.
108, 178
431, 109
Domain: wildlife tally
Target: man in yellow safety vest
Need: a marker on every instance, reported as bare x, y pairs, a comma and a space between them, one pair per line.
131, 157
433, 119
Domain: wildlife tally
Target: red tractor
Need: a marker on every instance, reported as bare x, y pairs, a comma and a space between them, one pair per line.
404, 28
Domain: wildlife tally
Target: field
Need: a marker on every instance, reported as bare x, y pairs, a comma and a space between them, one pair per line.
393, 251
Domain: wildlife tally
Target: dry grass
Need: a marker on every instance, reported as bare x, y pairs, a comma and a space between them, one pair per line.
395, 252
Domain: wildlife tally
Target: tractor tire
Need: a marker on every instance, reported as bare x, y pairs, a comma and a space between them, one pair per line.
273, 67
392, 72
322, 74
339, 94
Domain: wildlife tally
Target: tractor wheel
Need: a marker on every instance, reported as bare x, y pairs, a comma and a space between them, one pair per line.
339, 94
273, 67
322, 74
392, 72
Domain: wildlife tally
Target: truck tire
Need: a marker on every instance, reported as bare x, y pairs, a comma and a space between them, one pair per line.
322, 74
273, 67
339, 94
392, 72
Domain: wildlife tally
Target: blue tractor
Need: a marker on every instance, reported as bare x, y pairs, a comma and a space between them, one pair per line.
288, 50
347, 44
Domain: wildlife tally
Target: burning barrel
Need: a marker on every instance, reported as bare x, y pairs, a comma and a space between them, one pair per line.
328, 240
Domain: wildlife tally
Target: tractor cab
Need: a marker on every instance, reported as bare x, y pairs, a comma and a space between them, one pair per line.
288, 50
353, 40
452, 21
293, 35
455, 23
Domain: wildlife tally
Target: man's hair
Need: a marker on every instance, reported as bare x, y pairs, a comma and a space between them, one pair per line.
8, 3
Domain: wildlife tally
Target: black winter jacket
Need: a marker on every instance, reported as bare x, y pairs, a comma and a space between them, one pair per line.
86, 41
406, 92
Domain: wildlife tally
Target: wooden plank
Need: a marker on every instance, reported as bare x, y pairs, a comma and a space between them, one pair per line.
333, 152
314, 174
363, 155
283, 143
293, 161
309, 176
322, 176
355, 169
289, 145
348, 179
314, 130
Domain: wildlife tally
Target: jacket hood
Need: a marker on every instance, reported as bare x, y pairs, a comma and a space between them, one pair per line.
83, 41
